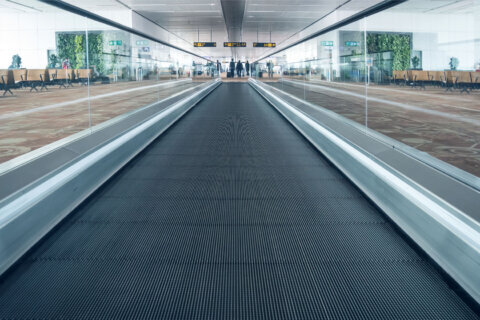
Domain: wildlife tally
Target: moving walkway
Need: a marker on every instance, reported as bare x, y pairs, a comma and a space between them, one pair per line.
229, 214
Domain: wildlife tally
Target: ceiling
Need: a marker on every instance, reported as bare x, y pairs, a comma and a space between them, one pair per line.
246, 20
280, 21
438, 6
214, 20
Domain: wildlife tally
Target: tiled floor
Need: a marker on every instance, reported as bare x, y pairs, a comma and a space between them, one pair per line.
30, 120
443, 124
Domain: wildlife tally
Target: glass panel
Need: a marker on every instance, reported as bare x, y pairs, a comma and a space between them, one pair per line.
41, 98
129, 72
424, 85
411, 73
62, 74
336, 74
328, 71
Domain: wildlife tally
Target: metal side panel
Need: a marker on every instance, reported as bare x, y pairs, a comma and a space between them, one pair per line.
449, 237
27, 216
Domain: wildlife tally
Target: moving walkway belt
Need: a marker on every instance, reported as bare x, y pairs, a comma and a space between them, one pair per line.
230, 214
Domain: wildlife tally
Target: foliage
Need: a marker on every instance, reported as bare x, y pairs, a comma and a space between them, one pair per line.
72, 46
398, 44
95, 51
80, 56
16, 62
66, 46
54, 62
114, 59
415, 62
453, 63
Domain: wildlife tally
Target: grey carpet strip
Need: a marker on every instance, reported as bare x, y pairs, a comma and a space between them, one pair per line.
230, 214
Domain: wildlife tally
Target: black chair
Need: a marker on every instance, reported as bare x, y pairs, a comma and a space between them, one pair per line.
4, 81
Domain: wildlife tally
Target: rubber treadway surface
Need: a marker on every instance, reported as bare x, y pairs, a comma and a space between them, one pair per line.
230, 214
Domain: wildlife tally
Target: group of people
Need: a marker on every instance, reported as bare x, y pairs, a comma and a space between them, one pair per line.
239, 68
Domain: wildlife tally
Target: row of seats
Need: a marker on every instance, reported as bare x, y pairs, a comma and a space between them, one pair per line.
462, 80
34, 78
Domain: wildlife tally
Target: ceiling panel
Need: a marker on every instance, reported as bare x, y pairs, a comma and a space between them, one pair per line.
189, 18
204, 20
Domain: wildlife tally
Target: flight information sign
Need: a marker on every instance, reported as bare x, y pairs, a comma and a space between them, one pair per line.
352, 43
204, 44
264, 44
235, 44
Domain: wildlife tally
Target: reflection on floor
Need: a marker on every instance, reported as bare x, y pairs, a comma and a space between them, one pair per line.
30, 120
443, 124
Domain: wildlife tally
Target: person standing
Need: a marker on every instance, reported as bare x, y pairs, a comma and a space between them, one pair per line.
219, 67
247, 68
232, 68
270, 69
239, 68
66, 64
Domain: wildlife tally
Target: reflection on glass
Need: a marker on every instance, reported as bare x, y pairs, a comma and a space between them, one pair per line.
44, 74
61, 75
401, 73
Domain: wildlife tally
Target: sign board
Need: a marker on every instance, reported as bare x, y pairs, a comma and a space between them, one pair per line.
115, 42
264, 44
204, 44
235, 44
142, 43
327, 43
352, 43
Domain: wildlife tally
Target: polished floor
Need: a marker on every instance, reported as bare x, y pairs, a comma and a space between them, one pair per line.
30, 120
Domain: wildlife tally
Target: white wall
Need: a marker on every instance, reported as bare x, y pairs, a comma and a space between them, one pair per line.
31, 34
438, 36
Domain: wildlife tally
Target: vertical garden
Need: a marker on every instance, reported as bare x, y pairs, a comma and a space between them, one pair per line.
399, 44
72, 46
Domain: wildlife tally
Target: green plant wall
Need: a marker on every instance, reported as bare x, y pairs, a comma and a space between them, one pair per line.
398, 44
95, 51
72, 45
80, 57
66, 47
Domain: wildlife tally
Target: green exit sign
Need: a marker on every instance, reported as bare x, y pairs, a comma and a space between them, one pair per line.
352, 43
142, 43
115, 42
327, 43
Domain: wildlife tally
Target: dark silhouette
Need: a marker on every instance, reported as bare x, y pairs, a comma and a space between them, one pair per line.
247, 68
270, 69
239, 68
219, 67
231, 70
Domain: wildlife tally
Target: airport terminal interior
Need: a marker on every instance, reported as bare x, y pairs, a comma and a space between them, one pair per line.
240, 159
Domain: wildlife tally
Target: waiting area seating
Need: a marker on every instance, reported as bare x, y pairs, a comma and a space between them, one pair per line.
6, 78
62, 77
41, 78
35, 78
83, 76
464, 81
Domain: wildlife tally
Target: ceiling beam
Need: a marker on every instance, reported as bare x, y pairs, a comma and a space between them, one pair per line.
233, 13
